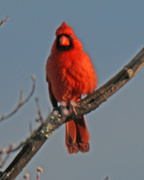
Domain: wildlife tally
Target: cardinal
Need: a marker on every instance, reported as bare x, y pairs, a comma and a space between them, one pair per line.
70, 74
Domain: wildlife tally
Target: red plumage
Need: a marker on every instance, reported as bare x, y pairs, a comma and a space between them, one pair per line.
70, 74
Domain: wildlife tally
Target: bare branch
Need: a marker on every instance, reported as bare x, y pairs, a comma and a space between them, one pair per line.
54, 120
39, 171
21, 101
40, 118
26, 176
5, 153
2, 22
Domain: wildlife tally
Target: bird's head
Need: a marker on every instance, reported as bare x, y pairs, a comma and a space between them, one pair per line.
65, 39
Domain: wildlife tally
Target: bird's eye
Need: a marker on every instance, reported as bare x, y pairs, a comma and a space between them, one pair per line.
70, 36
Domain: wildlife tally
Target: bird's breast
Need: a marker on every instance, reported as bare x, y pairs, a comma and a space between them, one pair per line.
71, 75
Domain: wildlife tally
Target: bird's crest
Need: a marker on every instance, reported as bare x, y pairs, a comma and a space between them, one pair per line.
64, 29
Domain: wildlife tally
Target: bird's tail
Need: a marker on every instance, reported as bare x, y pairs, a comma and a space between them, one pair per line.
77, 136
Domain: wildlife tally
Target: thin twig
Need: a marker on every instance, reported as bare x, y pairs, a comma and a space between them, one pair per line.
40, 118
39, 171
5, 153
2, 22
26, 176
21, 101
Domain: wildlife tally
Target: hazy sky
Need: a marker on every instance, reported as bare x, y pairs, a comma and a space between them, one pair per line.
112, 32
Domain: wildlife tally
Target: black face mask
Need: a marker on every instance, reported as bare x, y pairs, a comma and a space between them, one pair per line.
64, 48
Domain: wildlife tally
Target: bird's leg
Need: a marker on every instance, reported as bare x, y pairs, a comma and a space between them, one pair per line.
73, 105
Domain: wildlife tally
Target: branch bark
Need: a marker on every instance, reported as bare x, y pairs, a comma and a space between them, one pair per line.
57, 117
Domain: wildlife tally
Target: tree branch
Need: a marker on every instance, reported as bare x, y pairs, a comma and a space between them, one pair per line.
57, 118
21, 101
2, 22
5, 153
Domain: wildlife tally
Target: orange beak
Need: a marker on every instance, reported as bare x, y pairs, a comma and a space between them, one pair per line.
64, 41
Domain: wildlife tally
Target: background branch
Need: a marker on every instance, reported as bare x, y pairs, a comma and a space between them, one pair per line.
56, 117
21, 101
2, 22
5, 153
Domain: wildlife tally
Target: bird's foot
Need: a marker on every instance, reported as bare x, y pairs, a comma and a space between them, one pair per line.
73, 106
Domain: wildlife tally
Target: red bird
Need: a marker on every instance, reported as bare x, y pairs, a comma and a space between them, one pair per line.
70, 74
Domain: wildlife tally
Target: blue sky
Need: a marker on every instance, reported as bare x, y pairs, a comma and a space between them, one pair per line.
112, 32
